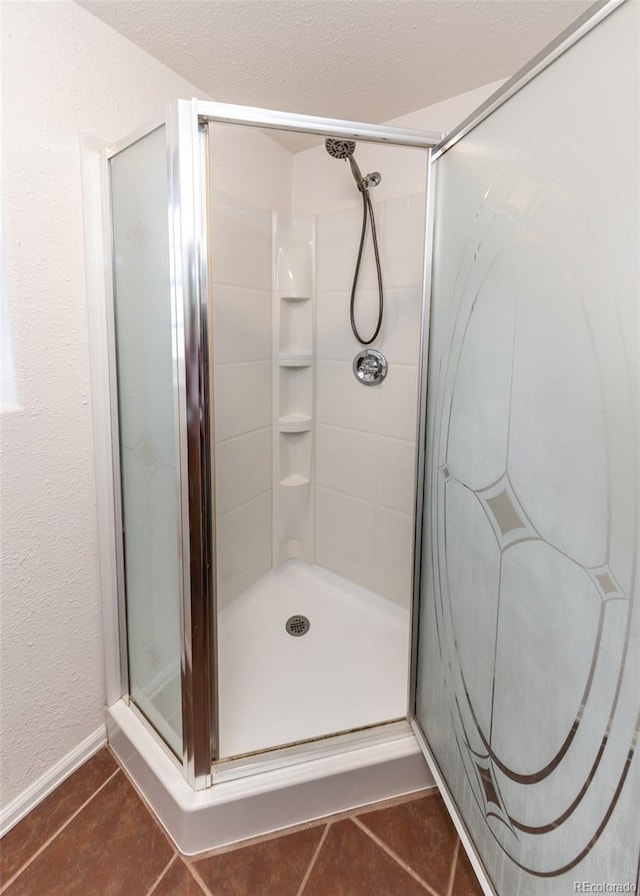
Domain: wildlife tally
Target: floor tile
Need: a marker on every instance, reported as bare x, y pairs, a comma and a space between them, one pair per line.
465, 882
351, 864
422, 834
111, 848
30, 834
271, 868
178, 881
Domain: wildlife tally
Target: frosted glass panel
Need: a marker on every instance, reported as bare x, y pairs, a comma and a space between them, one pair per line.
147, 437
529, 666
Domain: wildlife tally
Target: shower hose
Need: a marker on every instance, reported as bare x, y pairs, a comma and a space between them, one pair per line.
367, 212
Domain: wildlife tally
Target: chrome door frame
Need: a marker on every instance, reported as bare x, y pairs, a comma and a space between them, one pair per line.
192, 353
202, 114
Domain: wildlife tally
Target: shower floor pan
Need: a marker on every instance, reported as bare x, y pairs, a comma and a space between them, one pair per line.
348, 671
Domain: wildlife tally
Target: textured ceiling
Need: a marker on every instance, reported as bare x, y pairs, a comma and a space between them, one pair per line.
366, 60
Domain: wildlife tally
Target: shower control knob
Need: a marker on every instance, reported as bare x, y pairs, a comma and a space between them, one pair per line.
370, 367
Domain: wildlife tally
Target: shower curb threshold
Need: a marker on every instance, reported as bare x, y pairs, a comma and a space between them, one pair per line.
231, 811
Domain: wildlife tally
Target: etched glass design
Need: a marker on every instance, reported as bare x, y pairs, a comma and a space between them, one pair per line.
529, 659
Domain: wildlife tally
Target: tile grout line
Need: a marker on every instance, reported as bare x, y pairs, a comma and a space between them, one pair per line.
147, 807
162, 874
392, 801
248, 842
454, 865
366, 433
395, 857
331, 488
195, 875
314, 857
59, 831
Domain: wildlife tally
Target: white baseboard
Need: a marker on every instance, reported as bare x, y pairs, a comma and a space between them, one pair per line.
36, 792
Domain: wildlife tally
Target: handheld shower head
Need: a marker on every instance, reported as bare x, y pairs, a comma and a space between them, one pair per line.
344, 149
340, 149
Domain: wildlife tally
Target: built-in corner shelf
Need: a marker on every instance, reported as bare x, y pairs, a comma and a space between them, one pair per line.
294, 423
295, 359
293, 306
295, 480
295, 325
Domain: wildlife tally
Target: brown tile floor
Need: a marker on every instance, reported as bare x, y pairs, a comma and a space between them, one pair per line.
94, 835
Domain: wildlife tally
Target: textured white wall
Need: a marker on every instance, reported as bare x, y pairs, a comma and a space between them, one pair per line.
65, 73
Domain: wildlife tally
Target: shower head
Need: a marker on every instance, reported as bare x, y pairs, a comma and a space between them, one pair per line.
340, 149
344, 149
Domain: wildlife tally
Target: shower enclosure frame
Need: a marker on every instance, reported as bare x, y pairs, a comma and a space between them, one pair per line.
187, 134
191, 295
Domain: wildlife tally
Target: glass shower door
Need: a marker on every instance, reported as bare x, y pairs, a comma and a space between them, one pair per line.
529, 643
146, 427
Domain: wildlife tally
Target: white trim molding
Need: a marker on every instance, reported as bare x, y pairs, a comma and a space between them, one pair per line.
16, 810
96, 266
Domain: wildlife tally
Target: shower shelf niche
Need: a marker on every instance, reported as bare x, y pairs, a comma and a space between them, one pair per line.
294, 480
295, 396
295, 325
294, 423
293, 374
295, 457
295, 359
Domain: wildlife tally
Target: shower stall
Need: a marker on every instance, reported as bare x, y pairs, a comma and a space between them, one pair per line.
375, 467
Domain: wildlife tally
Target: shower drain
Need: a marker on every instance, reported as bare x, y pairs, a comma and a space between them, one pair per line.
297, 626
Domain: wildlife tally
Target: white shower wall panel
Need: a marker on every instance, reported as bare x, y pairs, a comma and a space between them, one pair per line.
400, 327
241, 240
365, 449
336, 447
244, 546
363, 439
250, 179
400, 228
242, 318
365, 436
395, 480
318, 189
247, 471
242, 398
248, 165
338, 236
387, 410
402, 247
